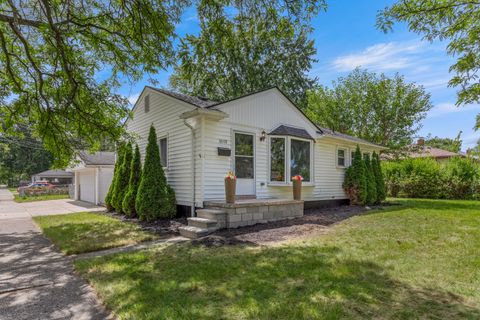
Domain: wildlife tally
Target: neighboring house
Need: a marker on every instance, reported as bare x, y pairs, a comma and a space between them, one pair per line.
54, 176
420, 150
93, 176
262, 137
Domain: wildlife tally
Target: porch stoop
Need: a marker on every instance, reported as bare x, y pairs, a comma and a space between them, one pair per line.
206, 222
219, 215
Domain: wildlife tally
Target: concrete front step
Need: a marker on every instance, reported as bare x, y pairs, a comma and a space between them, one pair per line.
202, 223
194, 232
211, 214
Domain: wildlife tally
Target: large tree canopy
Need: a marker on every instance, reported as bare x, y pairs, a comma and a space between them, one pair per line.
375, 107
60, 61
249, 52
456, 21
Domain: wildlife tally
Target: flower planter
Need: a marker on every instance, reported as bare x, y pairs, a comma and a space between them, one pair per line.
297, 187
230, 187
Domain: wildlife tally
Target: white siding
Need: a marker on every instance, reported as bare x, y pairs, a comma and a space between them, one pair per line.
165, 114
266, 111
105, 176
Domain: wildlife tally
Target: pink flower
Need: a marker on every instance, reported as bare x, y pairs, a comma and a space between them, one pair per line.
231, 176
297, 177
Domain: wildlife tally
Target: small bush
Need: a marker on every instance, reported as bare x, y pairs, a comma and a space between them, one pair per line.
457, 178
121, 184
155, 199
128, 204
355, 183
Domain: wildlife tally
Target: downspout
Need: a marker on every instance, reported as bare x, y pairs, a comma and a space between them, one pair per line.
193, 165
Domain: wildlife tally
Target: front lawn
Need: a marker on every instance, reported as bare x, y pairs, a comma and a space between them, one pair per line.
40, 198
84, 232
417, 260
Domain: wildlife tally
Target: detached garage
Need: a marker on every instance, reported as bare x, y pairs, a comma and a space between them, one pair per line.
93, 176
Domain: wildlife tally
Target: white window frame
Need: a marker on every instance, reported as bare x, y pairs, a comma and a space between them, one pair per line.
345, 159
287, 163
165, 136
270, 160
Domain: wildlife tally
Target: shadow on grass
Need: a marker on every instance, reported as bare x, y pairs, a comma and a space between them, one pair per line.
295, 282
74, 238
430, 204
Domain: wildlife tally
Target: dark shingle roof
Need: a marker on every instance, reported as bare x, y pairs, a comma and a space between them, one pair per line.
55, 173
97, 158
200, 102
345, 136
291, 131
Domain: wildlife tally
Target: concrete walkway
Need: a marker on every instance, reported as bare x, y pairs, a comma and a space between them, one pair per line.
37, 281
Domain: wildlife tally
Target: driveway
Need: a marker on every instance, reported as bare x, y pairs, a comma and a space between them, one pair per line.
37, 281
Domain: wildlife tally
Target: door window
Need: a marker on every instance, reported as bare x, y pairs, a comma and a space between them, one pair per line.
244, 156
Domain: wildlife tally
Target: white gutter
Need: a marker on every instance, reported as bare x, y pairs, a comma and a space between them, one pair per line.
193, 165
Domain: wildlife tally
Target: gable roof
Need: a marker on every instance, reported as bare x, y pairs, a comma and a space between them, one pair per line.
54, 173
431, 152
97, 158
205, 103
199, 102
291, 131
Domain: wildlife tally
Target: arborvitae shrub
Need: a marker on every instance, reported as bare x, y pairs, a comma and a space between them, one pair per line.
377, 170
118, 163
355, 183
371, 182
121, 184
154, 198
128, 204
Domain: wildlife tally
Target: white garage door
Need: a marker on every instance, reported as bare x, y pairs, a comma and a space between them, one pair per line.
87, 186
105, 176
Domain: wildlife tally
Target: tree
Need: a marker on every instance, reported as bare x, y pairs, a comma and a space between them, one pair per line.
128, 204
452, 145
252, 52
54, 54
122, 178
379, 179
383, 110
355, 183
116, 172
371, 181
22, 156
153, 198
454, 21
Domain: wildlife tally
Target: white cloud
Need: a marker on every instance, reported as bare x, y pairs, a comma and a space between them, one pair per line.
381, 57
447, 108
133, 98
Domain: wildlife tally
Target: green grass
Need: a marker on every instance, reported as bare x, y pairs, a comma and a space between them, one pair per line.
85, 232
417, 260
40, 198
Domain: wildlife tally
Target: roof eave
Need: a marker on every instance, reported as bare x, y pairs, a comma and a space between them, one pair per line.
211, 114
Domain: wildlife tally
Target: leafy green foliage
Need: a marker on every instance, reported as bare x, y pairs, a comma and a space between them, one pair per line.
379, 179
251, 52
458, 178
22, 156
452, 145
51, 53
371, 182
355, 183
383, 110
454, 21
116, 172
122, 178
128, 204
154, 199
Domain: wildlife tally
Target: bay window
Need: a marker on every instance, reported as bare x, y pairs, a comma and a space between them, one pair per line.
290, 156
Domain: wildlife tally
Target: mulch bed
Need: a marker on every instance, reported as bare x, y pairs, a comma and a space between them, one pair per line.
313, 222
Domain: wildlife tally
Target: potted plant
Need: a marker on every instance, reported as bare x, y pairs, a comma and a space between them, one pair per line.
297, 187
230, 186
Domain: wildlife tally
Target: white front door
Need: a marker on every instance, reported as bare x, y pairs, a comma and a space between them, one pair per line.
244, 163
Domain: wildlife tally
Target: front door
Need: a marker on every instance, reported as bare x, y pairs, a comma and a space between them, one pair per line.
244, 163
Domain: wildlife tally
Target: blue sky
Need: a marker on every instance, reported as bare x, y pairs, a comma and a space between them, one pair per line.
345, 37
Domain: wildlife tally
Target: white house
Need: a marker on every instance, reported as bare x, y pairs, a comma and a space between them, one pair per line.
262, 137
93, 176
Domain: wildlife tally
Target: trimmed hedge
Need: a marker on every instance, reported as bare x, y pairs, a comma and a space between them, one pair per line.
458, 178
